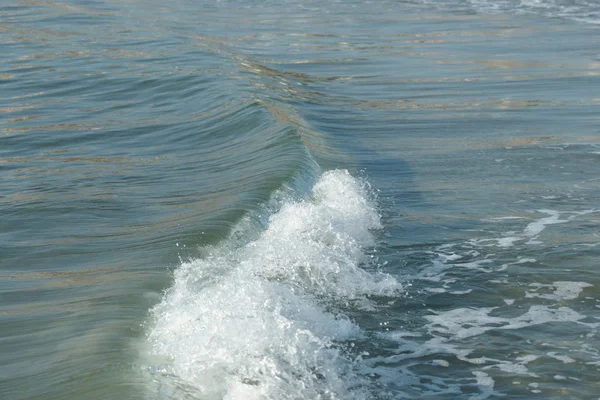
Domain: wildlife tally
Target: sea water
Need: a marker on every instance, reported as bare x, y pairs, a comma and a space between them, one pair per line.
299, 200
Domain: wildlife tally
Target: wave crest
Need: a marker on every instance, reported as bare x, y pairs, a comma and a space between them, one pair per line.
264, 320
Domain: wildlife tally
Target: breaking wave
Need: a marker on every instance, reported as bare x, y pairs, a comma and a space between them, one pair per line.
266, 319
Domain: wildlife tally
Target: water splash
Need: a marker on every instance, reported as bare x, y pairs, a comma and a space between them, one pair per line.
264, 320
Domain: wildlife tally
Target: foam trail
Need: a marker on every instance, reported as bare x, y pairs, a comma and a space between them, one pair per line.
262, 321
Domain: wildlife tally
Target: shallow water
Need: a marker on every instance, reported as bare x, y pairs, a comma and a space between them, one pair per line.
296, 200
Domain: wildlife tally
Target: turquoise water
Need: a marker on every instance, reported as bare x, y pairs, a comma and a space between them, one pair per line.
297, 200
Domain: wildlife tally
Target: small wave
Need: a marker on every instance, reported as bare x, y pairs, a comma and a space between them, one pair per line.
264, 320
584, 11
578, 10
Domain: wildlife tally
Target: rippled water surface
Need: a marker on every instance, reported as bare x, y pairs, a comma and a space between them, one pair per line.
299, 200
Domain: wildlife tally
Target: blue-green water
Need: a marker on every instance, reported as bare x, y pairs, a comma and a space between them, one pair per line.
299, 200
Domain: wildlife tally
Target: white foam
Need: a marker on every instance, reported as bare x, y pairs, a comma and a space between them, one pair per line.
260, 321
462, 323
508, 241
461, 292
450, 328
563, 358
519, 367
531, 232
483, 379
476, 265
582, 11
512, 368
436, 290
536, 227
525, 260
527, 359
509, 217
485, 384
563, 290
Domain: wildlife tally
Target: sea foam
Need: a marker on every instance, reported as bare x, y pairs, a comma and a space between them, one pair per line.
263, 321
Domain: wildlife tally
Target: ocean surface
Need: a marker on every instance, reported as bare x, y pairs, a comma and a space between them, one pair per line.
299, 199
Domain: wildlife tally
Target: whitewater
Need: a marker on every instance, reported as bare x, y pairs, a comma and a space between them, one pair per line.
266, 319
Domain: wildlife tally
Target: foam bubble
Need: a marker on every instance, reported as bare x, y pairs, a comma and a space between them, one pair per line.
531, 232
483, 379
262, 320
508, 241
563, 358
582, 11
440, 363
536, 227
563, 290
461, 323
